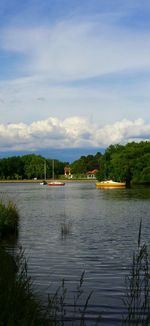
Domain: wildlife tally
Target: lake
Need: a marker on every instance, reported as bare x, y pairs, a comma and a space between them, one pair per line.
102, 235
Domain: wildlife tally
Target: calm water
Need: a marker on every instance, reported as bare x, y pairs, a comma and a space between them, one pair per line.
103, 234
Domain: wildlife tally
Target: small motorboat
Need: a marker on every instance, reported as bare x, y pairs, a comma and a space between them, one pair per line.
110, 184
43, 183
56, 183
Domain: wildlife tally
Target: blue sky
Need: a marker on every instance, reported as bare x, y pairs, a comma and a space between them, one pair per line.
73, 74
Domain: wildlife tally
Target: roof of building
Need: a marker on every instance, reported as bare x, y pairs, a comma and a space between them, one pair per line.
92, 172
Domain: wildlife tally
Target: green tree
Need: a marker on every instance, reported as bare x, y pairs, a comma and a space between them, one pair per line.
129, 163
33, 166
86, 163
11, 168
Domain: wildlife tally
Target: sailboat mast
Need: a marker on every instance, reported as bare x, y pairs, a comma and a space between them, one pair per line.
53, 169
45, 170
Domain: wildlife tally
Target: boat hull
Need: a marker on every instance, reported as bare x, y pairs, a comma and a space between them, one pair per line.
56, 184
109, 184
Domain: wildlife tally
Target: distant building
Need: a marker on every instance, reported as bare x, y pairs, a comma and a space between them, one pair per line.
91, 174
67, 172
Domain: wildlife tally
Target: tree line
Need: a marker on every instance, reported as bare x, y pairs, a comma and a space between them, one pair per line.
28, 167
32, 166
129, 163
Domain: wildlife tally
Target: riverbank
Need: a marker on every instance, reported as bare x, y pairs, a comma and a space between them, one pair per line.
48, 180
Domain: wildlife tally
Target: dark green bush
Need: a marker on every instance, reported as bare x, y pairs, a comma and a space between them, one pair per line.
17, 304
9, 218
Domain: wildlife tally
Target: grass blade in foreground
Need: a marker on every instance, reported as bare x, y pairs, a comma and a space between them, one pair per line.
137, 298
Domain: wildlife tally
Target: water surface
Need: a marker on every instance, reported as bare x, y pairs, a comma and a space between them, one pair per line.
103, 231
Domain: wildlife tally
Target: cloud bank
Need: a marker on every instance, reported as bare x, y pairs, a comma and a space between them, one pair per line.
74, 132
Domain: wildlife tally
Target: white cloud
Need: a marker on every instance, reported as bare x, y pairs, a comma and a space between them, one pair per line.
122, 132
70, 133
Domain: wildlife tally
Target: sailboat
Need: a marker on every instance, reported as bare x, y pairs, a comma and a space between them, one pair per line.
55, 183
44, 182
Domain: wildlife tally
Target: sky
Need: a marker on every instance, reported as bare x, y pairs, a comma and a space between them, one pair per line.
73, 74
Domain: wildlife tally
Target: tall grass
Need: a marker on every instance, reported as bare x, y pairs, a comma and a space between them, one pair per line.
66, 228
59, 312
17, 303
19, 307
9, 218
137, 298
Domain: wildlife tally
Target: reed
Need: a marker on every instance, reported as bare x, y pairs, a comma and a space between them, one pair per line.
58, 310
66, 228
9, 218
17, 303
137, 297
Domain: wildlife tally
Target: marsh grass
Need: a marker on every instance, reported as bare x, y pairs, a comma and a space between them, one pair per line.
19, 306
9, 218
17, 303
137, 298
58, 311
66, 228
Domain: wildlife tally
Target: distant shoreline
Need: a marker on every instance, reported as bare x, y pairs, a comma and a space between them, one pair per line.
49, 180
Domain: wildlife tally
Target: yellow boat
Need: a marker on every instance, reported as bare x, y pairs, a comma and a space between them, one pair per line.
110, 184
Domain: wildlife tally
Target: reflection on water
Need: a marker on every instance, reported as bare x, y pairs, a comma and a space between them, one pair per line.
103, 234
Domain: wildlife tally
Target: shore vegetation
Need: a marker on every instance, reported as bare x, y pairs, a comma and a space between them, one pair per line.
129, 163
9, 218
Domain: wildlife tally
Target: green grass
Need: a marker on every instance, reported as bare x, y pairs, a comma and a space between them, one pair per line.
18, 306
137, 297
9, 218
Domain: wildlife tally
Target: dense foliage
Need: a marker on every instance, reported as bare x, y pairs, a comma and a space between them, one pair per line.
17, 303
130, 163
86, 163
9, 218
28, 167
